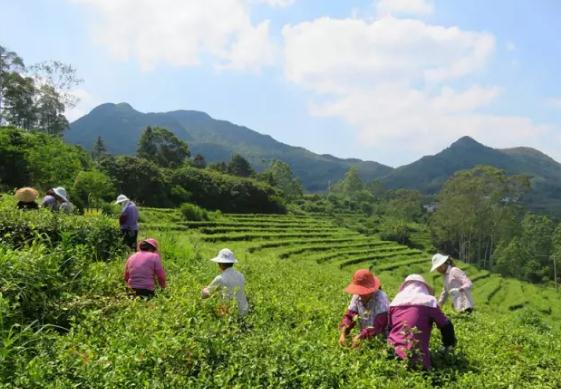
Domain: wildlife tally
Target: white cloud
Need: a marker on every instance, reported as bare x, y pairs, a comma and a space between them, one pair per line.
554, 102
85, 103
276, 3
183, 32
395, 80
405, 7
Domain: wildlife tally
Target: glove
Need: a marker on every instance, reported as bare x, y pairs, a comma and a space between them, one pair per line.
454, 292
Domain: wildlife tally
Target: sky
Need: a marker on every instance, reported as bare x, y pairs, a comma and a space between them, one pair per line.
387, 80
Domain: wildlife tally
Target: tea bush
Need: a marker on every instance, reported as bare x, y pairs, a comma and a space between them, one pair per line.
193, 212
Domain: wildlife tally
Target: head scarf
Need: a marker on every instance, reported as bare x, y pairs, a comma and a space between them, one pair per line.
414, 293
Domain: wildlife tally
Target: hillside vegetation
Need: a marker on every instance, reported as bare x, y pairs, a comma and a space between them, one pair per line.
77, 327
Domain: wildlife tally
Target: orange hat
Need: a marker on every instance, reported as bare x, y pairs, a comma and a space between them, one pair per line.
364, 282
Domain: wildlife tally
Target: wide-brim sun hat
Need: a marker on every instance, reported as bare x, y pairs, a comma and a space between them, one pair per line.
438, 260
61, 192
121, 199
225, 256
416, 278
364, 282
26, 194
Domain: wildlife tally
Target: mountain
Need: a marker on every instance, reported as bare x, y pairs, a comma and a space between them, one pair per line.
430, 172
120, 126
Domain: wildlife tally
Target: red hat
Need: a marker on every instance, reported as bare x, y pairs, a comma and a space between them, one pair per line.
364, 282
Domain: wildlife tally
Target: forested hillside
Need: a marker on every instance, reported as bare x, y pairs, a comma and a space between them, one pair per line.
120, 127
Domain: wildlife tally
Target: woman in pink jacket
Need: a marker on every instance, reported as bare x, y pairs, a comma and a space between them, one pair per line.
143, 267
413, 311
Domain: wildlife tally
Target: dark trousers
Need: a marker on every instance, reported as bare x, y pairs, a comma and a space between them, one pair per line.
129, 238
144, 293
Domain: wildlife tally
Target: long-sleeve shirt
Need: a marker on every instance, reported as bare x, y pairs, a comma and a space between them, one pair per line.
410, 330
231, 284
372, 316
455, 278
141, 269
129, 217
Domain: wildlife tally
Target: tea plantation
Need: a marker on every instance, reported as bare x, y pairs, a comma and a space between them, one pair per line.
66, 320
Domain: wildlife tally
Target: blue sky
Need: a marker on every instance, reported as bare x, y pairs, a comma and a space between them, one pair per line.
386, 80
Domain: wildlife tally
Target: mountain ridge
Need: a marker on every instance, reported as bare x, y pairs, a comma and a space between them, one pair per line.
120, 126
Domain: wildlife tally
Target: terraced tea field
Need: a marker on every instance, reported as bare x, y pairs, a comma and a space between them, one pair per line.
320, 239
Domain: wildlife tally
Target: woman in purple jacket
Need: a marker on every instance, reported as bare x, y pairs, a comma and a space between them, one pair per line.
413, 311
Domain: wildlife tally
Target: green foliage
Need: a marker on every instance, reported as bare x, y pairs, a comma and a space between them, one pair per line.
99, 150
239, 166
162, 147
289, 338
280, 175
476, 209
141, 179
37, 101
100, 235
39, 159
395, 230
193, 212
91, 187
213, 190
527, 254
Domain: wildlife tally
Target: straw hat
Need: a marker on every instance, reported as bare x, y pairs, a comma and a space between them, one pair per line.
364, 282
26, 194
225, 256
438, 260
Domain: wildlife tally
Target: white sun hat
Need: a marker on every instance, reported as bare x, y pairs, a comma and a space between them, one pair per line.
438, 260
61, 192
121, 199
225, 256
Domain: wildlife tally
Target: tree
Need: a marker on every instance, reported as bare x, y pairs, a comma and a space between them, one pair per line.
99, 150
50, 111
239, 166
18, 96
477, 208
162, 147
10, 63
280, 175
556, 253
92, 186
352, 182
35, 97
406, 204
199, 161
221, 167
138, 178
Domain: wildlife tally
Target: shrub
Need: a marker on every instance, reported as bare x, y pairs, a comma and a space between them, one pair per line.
99, 234
193, 212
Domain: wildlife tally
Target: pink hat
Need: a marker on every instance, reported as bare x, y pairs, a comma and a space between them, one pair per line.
152, 242
364, 282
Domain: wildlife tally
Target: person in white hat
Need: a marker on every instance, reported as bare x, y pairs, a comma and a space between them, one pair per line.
230, 283
64, 204
128, 220
456, 284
